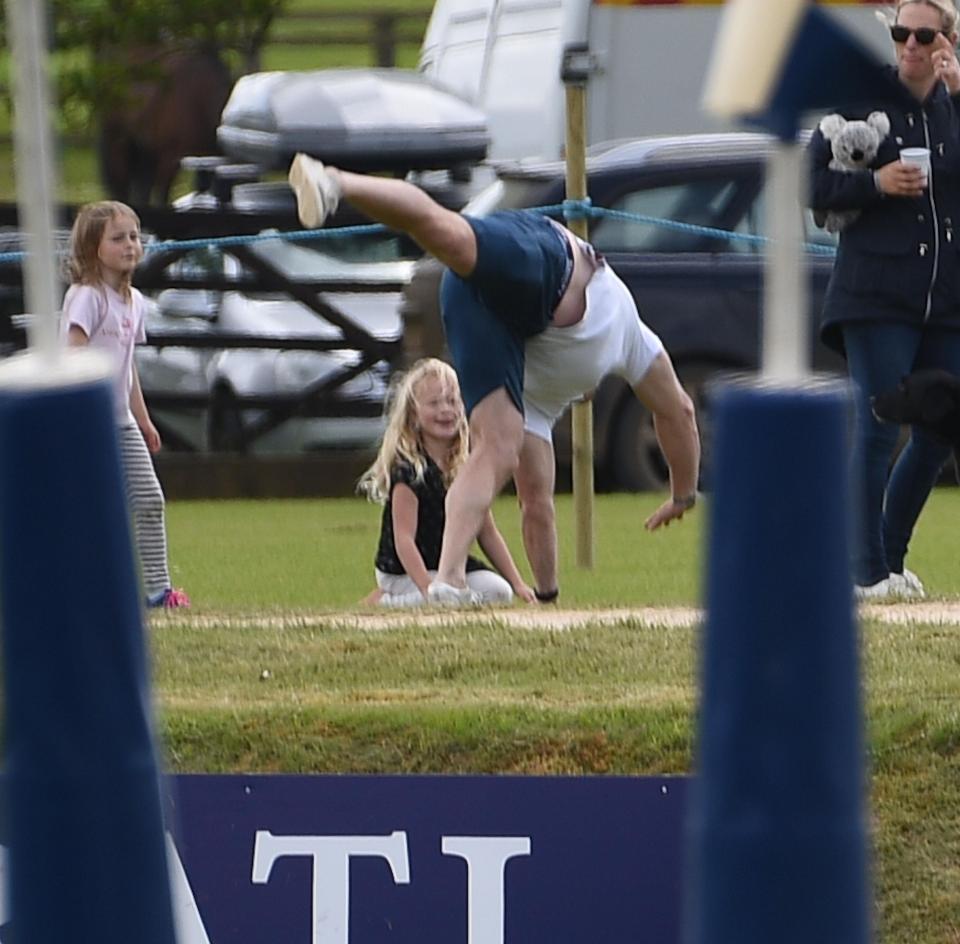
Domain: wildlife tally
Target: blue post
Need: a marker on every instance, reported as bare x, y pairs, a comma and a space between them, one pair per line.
776, 829
86, 846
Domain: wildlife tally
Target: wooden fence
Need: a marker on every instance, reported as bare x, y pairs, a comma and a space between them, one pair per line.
380, 30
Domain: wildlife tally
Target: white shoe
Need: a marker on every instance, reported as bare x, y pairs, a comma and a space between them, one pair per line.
875, 592
316, 189
908, 585
905, 586
443, 594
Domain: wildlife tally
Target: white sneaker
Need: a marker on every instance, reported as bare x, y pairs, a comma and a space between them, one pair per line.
443, 594
905, 586
316, 189
881, 590
908, 585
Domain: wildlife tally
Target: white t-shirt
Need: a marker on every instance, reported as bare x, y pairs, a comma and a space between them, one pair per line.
113, 325
563, 364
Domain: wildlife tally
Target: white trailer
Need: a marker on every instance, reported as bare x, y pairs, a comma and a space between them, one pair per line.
648, 62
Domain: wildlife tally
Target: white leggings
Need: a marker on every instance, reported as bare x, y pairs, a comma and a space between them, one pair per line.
399, 590
145, 498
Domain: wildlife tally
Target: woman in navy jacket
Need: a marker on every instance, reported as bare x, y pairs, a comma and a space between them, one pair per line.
893, 303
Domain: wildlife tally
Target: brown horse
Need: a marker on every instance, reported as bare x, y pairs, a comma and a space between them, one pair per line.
170, 109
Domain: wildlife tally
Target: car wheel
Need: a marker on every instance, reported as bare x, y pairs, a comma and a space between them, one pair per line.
225, 424
639, 465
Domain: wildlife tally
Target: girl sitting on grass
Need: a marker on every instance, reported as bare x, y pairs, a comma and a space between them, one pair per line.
423, 447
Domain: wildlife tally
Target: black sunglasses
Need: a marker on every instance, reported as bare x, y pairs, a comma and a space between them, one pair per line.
925, 34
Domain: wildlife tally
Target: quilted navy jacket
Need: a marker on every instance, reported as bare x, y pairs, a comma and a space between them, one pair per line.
900, 259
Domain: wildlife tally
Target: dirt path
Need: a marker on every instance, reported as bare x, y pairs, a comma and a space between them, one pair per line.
937, 613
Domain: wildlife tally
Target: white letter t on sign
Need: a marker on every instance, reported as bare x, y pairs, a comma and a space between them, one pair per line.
331, 872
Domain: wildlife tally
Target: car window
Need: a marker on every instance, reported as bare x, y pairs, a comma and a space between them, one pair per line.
726, 203
709, 202
333, 259
361, 248
812, 234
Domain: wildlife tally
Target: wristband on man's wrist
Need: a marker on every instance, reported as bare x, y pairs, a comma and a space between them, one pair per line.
550, 596
686, 502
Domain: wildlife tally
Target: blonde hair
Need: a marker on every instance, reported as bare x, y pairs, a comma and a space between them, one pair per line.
401, 439
948, 12
83, 262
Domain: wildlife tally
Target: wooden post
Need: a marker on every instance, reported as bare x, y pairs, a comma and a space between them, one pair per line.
575, 84
385, 40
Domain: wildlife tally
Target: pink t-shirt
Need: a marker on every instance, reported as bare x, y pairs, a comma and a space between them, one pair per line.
112, 325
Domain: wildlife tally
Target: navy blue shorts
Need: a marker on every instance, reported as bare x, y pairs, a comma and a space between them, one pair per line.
523, 264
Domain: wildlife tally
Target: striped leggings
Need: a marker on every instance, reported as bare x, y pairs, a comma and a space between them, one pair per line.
146, 503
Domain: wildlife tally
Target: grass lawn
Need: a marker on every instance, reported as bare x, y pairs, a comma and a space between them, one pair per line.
261, 677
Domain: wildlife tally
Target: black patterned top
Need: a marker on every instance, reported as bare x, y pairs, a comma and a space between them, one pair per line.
431, 515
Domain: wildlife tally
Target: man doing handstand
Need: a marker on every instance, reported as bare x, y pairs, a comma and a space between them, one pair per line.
534, 320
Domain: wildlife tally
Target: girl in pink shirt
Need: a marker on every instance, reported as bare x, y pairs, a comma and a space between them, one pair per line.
103, 310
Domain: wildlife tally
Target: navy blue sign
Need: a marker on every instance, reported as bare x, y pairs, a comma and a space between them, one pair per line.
426, 860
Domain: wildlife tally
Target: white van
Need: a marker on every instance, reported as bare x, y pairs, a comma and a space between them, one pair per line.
648, 62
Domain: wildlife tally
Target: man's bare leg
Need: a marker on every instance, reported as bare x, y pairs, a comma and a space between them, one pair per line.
399, 205
496, 425
535, 480
496, 435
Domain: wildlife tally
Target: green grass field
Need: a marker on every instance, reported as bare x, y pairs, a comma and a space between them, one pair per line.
263, 676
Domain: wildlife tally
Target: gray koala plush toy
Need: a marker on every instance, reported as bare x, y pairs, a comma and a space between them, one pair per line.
854, 145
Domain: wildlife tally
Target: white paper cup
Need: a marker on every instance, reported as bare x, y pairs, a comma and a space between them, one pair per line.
919, 157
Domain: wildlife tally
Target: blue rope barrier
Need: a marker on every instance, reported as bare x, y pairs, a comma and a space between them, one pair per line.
300, 236
583, 209
578, 209
569, 209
